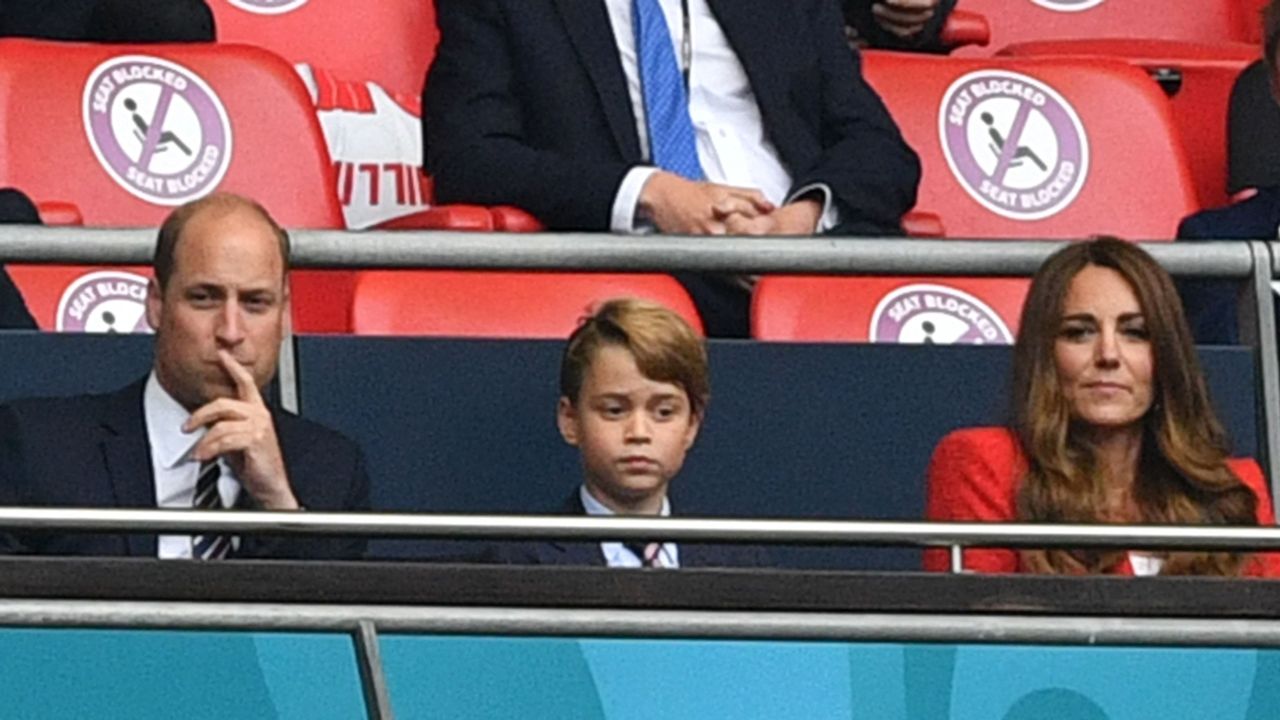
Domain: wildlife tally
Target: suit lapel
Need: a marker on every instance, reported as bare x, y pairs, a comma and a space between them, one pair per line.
575, 553
127, 456
587, 22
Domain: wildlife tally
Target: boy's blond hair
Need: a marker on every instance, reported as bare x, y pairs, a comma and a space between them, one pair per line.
665, 348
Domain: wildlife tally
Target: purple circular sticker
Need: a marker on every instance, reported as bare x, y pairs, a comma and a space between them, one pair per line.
157, 128
104, 302
1067, 5
936, 315
268, 7
1014, 143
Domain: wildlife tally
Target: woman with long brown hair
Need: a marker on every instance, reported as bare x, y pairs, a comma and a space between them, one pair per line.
1112, 423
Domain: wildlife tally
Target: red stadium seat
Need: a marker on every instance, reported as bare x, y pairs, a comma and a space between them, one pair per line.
78, 117
389, 42
497, 304
980, 311
1199, 20
66, 298
1201, 76
1251, 20
1038, 148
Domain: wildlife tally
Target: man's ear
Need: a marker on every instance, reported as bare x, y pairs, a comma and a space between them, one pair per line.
567, 420
155, 303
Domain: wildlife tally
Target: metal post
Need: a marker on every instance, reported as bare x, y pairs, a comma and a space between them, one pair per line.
1268, 362
373, 682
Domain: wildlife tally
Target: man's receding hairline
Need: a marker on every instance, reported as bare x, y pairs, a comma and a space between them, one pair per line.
221, 206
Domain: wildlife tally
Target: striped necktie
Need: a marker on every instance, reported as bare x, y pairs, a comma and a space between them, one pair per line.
672, 144
649, 554
213, 546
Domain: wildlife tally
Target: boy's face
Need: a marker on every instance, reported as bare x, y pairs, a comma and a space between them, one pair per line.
633, 432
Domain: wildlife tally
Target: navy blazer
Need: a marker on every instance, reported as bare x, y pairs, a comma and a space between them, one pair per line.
692, 555
13, 310
526, 104
1211, 305
92, 451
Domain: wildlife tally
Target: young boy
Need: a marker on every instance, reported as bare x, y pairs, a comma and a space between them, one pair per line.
633, 392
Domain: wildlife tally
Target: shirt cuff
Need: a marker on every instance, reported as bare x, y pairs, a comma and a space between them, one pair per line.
626, 203
830, 217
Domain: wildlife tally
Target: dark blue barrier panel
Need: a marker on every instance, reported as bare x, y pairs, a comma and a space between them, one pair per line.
474, 678
161, 675
52, 364
838, 431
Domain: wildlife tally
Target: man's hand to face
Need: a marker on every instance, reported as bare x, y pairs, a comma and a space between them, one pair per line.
683, 207
903, 18
241, 429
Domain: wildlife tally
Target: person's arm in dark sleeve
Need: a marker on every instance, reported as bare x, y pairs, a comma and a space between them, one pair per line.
884, 33
13, 475
13, 310
474, 140
871, 171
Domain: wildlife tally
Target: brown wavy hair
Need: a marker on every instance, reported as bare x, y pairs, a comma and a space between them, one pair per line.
1182, 477
665, 348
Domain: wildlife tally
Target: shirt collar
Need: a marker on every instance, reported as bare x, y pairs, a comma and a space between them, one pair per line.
170, 446
595, 507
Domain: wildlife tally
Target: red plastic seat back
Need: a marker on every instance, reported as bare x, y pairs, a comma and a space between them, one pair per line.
1021, 20
936, 310
77, 119
387, 41
498, 304
67, 298
1038, 148
1205, 72
126, 133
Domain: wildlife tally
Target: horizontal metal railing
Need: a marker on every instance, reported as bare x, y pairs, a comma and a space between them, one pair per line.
590, 251
684, 529
647, 623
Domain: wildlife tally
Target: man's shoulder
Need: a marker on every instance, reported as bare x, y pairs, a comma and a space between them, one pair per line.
67, 413
1256, 218
297, 431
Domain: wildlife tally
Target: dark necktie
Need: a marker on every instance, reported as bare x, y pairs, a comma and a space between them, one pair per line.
211, 546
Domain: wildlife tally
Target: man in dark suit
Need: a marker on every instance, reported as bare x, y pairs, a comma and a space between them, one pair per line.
195, 433
1211, 304
762, 122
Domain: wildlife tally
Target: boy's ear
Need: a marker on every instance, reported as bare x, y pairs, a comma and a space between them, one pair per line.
695, 424
567, 420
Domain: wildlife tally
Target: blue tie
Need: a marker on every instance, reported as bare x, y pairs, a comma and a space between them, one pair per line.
671, 140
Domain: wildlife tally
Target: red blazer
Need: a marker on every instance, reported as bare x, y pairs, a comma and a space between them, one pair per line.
974, 474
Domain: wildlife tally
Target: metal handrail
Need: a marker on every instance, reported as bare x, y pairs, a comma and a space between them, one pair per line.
684, 529
601, 251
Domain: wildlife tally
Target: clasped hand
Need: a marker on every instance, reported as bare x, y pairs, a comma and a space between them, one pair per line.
241, 430
904, 18
685, 207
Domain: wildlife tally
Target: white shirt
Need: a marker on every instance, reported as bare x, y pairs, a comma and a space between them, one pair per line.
732, 145
174, 469
1144, 564
615, 553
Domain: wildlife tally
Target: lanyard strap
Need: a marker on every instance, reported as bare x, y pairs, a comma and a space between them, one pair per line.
686, 46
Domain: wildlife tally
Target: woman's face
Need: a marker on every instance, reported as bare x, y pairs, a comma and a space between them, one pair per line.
1103, 351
